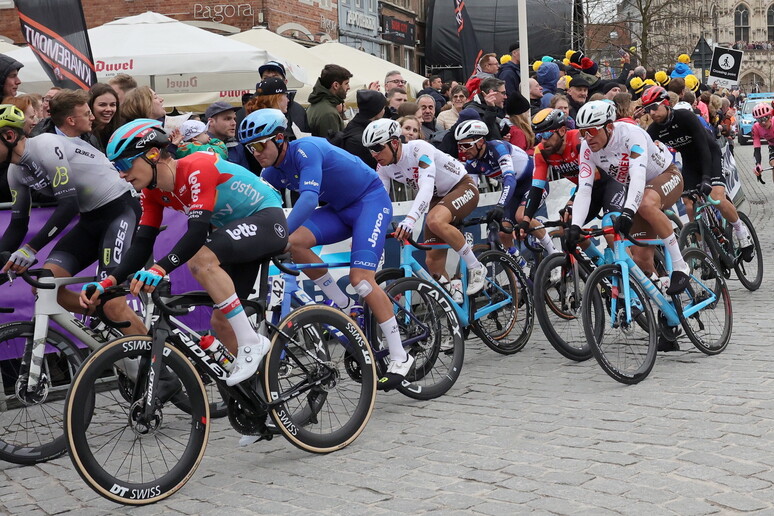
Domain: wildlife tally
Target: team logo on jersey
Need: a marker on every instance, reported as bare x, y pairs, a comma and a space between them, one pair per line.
106, 256
280, 230
174, 259
166, 199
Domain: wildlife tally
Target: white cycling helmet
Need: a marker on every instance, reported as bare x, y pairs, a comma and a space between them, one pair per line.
380, 131
470, 129
595, 114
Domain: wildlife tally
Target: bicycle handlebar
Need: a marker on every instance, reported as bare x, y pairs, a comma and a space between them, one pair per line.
110, 293
695, 194
165, 308
277, 261
413, 243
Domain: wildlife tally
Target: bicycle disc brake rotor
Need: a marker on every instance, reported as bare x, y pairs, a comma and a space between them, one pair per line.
37, 395
141, 425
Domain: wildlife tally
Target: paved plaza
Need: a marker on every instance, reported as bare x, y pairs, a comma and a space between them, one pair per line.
528, 433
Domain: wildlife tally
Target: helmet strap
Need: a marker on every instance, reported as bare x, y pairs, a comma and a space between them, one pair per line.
10, 146
279, 141
155, 176
394, 151
607, 133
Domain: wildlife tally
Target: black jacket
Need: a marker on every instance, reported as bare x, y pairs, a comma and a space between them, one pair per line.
351, 139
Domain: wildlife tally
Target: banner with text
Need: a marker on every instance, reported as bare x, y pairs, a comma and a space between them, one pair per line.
56, 33
725, 66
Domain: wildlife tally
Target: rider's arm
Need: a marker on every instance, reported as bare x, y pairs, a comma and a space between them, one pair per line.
20, 214
539, 182
638, 171
505, 162
309, 161
426, 184
580, 207
703, 154
385, 179
756, 138
138, 253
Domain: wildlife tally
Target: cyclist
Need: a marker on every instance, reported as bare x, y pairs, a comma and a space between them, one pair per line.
763, 129
506, 163
84, 183
445, 193
625, 153
702, 159
245, 211
357, 206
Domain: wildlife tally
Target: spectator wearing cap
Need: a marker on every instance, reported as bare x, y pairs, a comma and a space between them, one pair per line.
9, 76
273, 93
371, 105
193, 137
546, 76
295, 113
434, 90
221, 124
611, 89
577, 93
328, 94
509, 72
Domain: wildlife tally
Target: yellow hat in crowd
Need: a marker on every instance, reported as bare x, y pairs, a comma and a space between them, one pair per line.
649, 82
566, 62
505, 58
568, 54
692, 82
637, 85
684, 58
662, 78
536, 65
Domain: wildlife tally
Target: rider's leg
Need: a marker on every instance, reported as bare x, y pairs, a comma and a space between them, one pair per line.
541, 234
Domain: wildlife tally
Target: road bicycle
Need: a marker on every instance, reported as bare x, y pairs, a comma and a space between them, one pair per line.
618, 298
710, 232
132, 444
501, 314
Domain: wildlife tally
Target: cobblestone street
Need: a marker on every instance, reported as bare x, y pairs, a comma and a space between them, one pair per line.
527, 433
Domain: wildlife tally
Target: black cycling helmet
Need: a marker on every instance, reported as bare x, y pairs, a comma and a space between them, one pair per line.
548, 120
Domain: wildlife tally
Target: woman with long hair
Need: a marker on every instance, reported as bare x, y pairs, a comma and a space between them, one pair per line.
142, 102
104, 104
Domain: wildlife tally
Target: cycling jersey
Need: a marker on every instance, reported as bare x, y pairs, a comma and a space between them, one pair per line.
630, 157
761, 133
551, 167
427, 170
504, 162
701, 154
79, 176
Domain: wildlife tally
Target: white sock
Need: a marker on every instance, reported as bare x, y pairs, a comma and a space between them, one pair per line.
237, 318
467, 254
548, 244
740, 229
394, 344
678, 264
332, 291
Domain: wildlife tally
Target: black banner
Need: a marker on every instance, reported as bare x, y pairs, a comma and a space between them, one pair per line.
470, 50
398, 31
56, 33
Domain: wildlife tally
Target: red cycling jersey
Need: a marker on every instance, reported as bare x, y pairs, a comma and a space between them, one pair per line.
562, 165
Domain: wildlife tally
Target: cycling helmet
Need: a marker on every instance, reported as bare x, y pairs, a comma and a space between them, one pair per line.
762, 109
653, 95
263, 123
380, 131
548, 120
11, 116
470, 129
135, 137
595, 114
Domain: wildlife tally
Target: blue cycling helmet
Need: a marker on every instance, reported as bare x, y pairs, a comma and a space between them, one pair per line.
135, 137
263, 123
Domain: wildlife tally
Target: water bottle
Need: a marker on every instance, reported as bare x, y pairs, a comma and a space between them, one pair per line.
664, 283
513, 251
218, 351
455, 287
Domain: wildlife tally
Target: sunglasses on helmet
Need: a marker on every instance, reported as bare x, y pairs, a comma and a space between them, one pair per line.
124, 164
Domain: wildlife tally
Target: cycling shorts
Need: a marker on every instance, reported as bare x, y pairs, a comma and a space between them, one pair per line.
460, 201
692, 175
669, 186
241, 245
366, 220
519, 198
103, 234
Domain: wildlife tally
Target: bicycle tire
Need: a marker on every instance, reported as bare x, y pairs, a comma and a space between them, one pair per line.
751, 283
703, 273
126, 480
558, 309
326, 360
32, 430
495, 329
637, 355
690, 236
439, 350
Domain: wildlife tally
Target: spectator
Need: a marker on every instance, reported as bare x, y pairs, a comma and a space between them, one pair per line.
122, 83
561, 103
395, 98
677, 85
485, 69
459, 94
427, 113
535, 96
44, 112
272, 93
103, 102
193, 137
577, 93
408, 109
624, 109
611, 89
509, 72
410, 127
489, 103
626, 69
221, 124
519, 123
141, 102
394, 79
9, 76
328, 93
295, 112
547, 75
371, 105
434, 90
70, 116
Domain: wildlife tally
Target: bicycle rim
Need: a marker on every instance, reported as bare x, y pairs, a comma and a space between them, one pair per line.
750, 273
626, 350
119, 457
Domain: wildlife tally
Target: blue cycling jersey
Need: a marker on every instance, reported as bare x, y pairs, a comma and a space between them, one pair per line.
504, 162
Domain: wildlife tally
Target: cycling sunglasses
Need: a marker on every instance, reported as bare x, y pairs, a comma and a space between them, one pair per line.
124, 164
652, 107
376, 148
546, 134
258, 146
466, 146
763, 118
590, 131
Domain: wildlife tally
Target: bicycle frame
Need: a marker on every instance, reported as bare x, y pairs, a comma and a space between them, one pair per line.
707, 217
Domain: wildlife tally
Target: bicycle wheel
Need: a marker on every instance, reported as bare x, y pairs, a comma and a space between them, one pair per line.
31, 428
690, 236
320, 376
710, 328
558, 299
506, 329
118, 453
430, 331
625, 350
750, 273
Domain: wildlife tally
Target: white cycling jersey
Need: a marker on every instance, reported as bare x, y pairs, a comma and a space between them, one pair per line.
630, 157
429, 171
